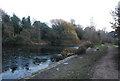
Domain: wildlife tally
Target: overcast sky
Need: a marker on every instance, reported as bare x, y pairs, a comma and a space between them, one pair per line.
80, 10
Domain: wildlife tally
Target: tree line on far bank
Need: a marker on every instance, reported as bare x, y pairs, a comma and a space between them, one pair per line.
21, 32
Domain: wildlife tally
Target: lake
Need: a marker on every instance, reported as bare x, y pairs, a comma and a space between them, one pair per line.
18, 61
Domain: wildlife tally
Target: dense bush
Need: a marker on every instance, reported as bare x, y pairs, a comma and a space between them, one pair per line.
81, 50
68, 52
87, 44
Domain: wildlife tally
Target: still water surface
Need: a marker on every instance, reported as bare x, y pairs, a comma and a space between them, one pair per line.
19, 61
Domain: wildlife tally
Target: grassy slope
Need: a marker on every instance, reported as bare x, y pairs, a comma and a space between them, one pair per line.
80, 68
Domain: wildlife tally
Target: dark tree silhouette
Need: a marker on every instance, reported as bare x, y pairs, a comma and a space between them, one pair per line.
116, 23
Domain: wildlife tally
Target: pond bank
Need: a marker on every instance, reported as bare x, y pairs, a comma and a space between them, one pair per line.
48, 68
77, 67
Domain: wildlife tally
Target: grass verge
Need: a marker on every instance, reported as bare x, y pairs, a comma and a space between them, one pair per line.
80, 68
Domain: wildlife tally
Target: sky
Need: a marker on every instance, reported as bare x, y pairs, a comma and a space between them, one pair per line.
80, 10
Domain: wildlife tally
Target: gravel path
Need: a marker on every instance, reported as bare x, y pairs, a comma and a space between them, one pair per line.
107, 68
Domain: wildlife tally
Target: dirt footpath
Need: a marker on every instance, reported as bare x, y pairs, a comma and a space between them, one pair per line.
107, 67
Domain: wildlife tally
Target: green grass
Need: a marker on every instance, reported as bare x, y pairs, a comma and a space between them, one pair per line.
101, 45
